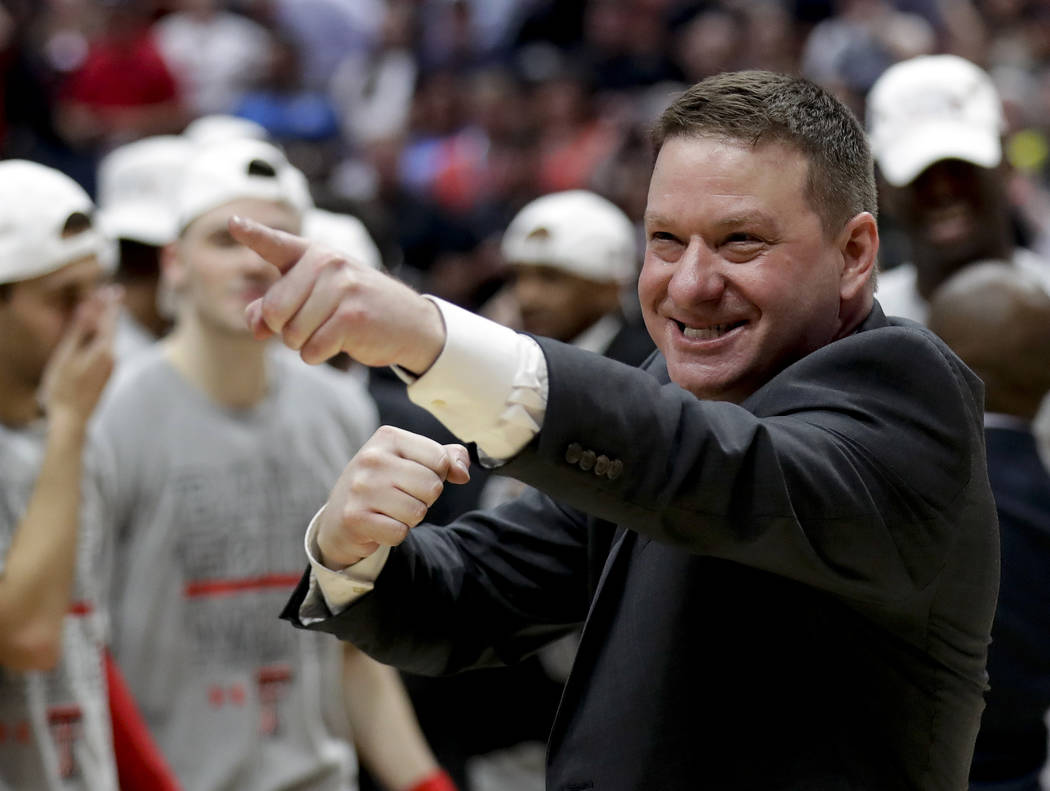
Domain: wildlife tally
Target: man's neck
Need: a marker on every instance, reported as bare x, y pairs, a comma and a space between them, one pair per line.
229, 368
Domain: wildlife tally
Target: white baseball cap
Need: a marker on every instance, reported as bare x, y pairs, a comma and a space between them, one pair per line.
930, 108
137, 184
576, 231
343, 233
35, 204
230, 170
214, 128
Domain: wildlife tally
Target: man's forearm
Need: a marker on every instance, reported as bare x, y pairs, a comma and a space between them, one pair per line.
37, 578
387, 736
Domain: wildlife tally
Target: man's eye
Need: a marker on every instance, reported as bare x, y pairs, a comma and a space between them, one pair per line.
662, 236
742, 238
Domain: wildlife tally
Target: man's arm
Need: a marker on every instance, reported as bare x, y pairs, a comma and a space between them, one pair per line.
386, 733
37, 579
837, 473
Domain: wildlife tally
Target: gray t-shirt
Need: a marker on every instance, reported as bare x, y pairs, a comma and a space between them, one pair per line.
209, 506
54, 726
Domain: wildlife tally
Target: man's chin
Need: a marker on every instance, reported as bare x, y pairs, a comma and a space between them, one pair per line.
704, 386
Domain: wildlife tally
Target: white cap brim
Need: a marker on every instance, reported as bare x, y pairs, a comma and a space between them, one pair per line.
908, 155
139, 223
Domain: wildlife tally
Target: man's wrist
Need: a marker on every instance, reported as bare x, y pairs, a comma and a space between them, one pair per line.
423, 354
66, 424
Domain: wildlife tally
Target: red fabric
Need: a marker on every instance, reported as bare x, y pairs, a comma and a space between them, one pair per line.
122, 73
438, 781
140, 766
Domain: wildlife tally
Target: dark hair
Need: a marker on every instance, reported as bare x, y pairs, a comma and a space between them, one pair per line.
755, 107
138, 261
5, 291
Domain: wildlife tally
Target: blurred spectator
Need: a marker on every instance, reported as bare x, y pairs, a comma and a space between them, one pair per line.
211, 460
213, 128
998, 320
324, 32
342, 232
574, 137
849, 51
214, 54
61, 726
300, 119
625, 45
137, 183
709, 43
573, 256
935, 124
123, 90
372, 90
25, 110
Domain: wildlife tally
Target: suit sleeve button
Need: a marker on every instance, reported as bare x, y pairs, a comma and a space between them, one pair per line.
572, 453
601, 465
587, 459
615, 468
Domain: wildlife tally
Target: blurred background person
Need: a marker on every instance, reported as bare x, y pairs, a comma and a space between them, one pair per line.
574, 265
56, 353
936, 125
136, 189
997, 319
123, 89
214, 54
211, 461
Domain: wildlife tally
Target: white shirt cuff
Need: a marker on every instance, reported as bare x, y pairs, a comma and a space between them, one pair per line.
336, 590
488, 385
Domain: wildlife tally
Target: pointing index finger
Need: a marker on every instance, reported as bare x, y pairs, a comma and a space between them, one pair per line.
280, 248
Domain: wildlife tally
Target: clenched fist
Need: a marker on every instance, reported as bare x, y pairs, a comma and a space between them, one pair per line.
385, 491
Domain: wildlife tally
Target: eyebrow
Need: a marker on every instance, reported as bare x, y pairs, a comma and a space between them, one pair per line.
731, 221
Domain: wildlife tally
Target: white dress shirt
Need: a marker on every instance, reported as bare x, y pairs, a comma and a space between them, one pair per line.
488, 386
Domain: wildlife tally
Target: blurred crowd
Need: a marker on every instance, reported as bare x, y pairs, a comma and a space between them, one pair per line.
434, 121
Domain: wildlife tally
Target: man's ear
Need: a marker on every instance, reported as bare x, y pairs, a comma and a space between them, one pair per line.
859, 246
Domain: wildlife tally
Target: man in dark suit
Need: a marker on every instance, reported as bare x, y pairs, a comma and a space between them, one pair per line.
798, 573
997, 319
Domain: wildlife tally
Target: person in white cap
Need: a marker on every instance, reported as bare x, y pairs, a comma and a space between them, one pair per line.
343, 232
574, 257
214, 461
56, 336
935, 124
220, 126
136, 187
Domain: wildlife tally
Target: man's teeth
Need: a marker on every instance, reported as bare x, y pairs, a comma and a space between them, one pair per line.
707, 333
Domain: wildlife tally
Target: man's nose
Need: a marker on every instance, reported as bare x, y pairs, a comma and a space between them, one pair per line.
698, 277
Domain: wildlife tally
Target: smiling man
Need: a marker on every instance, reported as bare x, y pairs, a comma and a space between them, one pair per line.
779, 536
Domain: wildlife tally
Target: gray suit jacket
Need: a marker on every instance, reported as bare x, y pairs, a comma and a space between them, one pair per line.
792, 593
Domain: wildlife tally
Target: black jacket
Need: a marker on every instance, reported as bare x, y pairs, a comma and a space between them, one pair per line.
1013, 737
793, 593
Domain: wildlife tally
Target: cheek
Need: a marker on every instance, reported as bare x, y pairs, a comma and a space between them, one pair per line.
652, 285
